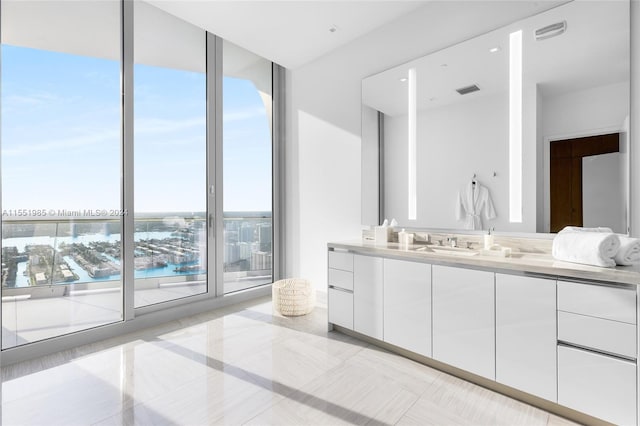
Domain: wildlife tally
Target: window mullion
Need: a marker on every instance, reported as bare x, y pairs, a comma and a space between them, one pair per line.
128, 225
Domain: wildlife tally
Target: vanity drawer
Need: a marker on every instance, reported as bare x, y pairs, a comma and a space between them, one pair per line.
340, 308
341, 260
340, 278
600, 334
617, 304
602, 386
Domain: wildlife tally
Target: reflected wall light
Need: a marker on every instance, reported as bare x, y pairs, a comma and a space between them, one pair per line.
412, 134
515, 127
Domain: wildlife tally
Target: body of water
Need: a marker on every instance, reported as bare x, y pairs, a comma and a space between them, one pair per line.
22, 242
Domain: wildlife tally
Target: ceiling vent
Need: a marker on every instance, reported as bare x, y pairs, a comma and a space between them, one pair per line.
550, 30
468, 89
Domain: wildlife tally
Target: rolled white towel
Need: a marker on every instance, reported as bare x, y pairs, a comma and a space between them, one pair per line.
591, 248
581, 229
629, 251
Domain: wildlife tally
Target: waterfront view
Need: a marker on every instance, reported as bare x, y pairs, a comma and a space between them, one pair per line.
65, 172
43, 252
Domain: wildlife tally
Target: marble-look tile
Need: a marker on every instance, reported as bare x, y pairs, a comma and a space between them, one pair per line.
345, 395
413, 376
468, 403
225, 396
245, 364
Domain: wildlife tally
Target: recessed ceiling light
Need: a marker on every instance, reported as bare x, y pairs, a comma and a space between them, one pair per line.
403, 79
495, 49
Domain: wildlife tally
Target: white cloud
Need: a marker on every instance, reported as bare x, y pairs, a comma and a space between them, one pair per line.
30, 100
92, 138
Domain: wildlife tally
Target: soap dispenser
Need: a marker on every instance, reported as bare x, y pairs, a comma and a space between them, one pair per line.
488, 240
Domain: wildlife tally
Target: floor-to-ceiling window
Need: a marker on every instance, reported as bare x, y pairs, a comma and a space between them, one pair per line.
247, 167
61, 191
116, 132
170, 140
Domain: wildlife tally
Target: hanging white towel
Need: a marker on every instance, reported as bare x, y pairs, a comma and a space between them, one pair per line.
473, 201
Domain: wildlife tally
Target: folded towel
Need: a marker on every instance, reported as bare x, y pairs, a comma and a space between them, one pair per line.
629, 251
591, 248
581, 229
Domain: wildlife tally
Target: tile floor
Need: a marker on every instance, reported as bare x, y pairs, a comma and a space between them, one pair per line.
244, 365
39, 318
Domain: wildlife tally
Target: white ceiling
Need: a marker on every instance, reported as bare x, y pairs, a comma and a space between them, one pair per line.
290, 33
593, 52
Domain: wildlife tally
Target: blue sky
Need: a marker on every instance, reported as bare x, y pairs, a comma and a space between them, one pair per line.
61, 136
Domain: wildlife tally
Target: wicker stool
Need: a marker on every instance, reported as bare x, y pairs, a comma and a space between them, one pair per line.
293, 296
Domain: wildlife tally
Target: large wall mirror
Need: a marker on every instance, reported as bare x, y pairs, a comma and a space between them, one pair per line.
523, 129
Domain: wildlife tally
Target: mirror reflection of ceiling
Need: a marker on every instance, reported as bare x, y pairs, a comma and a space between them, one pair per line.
586, 55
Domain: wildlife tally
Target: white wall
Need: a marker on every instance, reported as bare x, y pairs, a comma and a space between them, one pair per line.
586, 111
448, 155
634, 148
370, 152
324, 98
602, 192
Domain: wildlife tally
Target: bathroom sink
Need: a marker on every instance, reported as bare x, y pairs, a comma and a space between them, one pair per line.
455, 251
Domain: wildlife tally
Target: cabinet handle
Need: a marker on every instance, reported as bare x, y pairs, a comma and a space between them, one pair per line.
344, 290
596, 351
339, 250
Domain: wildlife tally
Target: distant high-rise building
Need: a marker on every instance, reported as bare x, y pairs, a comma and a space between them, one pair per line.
245, 251
247, 233
260, 260
231, 253
230, 237
264, 236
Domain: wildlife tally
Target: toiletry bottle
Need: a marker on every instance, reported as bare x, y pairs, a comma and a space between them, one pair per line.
488, 240
402, 237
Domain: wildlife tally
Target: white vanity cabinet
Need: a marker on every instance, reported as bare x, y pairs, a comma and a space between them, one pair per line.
567, 340
367, 295
526, 334
340, 291
407, 305
597, 350
596, 384
464, 319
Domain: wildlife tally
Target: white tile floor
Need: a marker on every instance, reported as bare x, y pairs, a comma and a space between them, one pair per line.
34, 319
245, 365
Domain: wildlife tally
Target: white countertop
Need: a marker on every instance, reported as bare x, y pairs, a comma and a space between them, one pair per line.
536, 263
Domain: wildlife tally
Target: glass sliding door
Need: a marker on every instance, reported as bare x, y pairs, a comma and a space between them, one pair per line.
170, 144
61, 165
247, 169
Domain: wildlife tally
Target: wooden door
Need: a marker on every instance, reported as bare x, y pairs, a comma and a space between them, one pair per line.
566, 175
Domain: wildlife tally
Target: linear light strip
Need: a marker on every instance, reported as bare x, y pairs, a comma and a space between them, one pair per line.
411, 157
515, 127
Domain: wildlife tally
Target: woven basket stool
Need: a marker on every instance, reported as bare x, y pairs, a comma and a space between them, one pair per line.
293, 296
